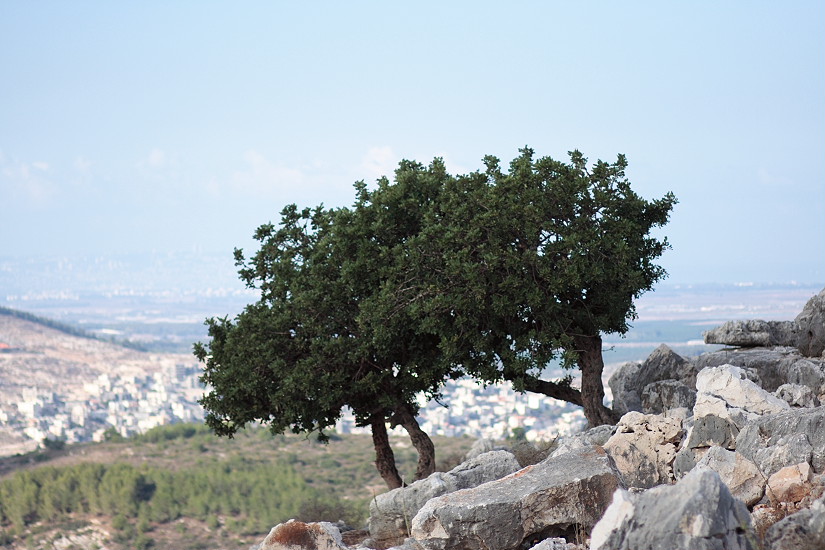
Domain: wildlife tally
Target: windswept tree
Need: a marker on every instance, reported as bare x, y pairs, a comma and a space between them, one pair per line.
326, 332
516, 269
492, 274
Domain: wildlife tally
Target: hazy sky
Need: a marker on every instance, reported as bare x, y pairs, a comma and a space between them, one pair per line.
180, 126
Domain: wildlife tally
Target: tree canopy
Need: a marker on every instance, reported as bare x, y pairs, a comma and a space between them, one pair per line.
515, 269
430, 277
327, 332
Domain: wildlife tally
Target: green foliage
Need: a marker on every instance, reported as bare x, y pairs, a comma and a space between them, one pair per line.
111, 434
54, 444
257, 494
170, 432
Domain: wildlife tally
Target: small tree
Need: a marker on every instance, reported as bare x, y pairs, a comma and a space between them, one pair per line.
517, 269
326, 332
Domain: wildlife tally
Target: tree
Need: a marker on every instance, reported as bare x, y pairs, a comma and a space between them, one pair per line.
517, 269
326, 332
433, 276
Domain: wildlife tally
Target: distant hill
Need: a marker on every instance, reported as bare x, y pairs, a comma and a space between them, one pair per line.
65, 328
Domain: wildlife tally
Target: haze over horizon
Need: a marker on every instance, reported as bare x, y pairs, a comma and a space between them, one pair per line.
133, 129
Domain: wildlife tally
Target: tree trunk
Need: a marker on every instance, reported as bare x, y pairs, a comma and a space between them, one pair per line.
591, 363
420, 440
384, 457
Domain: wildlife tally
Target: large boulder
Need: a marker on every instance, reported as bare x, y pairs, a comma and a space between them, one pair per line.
297, 535
804, 530
742, 476
665, 395
697, 513
806, 372
797, 395
644, 447
391, 513
733, 385
563, 492
790, 484
810, 326
771, 364
481, 446
594, 436
780, 440
726, 400
626, 388
754, 333
630, 380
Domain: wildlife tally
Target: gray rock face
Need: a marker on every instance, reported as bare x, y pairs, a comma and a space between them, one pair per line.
710, 430
780, 440
804, 530
731, 384
482, 446
807, 372
810, 325
754, 333
797, 395
626, 388
391, 513
644, 447
594, 436
629, 381
742, 477
771, 364
697, 513
570, 489
666, 395
665, 364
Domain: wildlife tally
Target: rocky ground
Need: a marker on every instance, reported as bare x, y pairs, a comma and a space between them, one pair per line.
725, 451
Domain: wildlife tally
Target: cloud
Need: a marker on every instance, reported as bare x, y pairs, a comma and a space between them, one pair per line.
379, 161
154, 160
770, 180
261, 177
26, 181
82, 165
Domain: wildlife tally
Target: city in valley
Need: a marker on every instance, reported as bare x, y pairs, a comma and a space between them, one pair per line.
58, 386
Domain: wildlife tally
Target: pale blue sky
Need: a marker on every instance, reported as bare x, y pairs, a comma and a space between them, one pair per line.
184, 125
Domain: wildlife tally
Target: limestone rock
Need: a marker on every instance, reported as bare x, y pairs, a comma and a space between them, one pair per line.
741, 475
665, 364
571, 489
780, 440
771, 364
626, 388
644, 447
807, 372
686, 459
664, 395
709, 430
391, 513
731, 384
697, 513
297, 535
481, 446
796, 395
594, 436
804, 530
555, 543
753, 333
629, 381
790, 484
810, 325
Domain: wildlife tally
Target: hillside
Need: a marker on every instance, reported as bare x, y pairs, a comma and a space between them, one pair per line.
240, 487
50, 380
